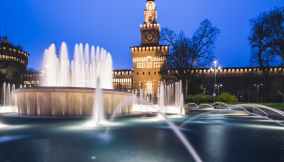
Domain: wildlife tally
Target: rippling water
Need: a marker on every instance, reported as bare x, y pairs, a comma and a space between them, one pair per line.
216, 139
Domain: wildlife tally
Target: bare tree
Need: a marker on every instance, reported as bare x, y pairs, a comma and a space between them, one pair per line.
188, 53
267, 38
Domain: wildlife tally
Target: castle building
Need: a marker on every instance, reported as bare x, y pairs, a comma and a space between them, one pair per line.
13, 62
249, 84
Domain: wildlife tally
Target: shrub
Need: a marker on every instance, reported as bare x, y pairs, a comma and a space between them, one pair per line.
227, 98
199, 98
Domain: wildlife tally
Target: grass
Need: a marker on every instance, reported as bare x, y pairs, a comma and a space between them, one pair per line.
279, 106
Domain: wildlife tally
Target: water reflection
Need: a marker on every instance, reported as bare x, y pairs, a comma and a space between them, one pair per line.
216, 139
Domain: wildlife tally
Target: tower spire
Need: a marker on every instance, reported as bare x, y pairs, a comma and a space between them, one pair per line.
150, 30
150, 12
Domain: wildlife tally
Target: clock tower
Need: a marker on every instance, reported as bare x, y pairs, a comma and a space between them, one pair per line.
150, 29
149, 57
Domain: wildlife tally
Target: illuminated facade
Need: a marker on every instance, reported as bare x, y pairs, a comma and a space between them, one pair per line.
13, 62
149, 57
122, 79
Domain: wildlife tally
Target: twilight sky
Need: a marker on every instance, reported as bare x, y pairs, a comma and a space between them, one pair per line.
114, 24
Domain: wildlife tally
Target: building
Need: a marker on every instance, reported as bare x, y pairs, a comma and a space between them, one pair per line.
13, 62
123, 79
150, 55
249, 84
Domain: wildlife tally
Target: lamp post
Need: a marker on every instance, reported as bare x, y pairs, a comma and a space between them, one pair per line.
258, 86
215, 68
219, 86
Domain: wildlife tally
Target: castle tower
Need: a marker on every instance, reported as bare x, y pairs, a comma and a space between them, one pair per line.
149, 57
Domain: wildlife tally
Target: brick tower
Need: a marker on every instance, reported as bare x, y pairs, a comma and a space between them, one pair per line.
150, 55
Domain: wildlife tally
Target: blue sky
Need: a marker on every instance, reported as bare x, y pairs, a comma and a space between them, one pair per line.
114, 24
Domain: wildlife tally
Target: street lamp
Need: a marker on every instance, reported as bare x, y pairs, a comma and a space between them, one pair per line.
215, 68
219, 86
258, 86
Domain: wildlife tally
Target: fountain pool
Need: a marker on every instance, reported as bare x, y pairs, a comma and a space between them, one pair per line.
66, 101
140, 139
70, 87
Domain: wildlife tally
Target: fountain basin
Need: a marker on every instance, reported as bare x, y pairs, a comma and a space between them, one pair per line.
66, 101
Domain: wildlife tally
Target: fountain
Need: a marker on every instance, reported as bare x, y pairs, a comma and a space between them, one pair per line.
83, 87
98, 110
8, 102
82, 71
8, 92
72, 88
171, 99
162, 95
160, 115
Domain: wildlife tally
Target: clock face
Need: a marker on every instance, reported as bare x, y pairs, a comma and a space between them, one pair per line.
149, 37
